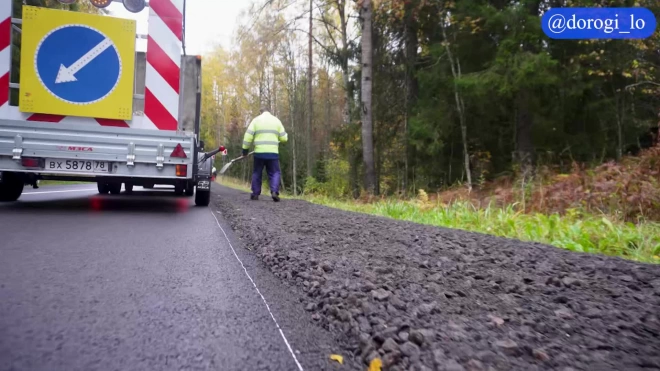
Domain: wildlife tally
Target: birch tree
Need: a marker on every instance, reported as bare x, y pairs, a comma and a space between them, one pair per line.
366, 13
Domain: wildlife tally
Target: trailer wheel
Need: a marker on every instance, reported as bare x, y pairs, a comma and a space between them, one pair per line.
115, 188
128, 187
202, 198
11, 187
103, 188
190, 189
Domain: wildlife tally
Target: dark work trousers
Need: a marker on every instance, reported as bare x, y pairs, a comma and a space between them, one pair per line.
272, 168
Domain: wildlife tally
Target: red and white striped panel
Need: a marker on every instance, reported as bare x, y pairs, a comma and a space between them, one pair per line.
161, 106
161, 96
5, 53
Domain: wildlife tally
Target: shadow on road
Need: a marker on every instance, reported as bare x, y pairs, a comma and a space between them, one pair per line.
135, 202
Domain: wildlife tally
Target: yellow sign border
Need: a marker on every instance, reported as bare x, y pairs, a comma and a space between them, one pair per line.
36, 98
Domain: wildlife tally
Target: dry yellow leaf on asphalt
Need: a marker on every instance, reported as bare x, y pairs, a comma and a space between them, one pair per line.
338, 358
375, 364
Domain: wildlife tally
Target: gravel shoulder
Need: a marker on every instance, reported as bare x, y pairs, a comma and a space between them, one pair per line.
428, 298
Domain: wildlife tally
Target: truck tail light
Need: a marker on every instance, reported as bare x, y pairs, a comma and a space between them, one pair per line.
30, 162
181, 170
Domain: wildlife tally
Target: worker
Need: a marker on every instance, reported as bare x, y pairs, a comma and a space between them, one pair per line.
266, 132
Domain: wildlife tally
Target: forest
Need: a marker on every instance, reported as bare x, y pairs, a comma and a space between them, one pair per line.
460, 92
457, 92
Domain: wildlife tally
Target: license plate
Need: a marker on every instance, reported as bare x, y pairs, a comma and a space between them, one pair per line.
203, 184
85, 166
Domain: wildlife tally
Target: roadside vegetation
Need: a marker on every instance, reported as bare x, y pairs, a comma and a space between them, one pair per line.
457, 114
612, 209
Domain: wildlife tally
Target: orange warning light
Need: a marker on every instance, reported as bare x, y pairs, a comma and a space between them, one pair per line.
101, 3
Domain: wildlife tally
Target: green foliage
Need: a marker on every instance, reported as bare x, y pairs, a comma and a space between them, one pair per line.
337, 183
320, 171
559, 101
575, 91
576, 232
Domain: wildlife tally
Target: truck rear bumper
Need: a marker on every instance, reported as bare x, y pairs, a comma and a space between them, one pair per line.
117, 170
127, 153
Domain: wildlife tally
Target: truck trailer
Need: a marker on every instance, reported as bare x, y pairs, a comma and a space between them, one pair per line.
55, 133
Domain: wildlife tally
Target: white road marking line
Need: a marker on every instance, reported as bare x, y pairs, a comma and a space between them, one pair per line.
258, 292
71, 190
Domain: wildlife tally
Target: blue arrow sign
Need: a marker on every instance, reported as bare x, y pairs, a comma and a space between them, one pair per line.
78, 64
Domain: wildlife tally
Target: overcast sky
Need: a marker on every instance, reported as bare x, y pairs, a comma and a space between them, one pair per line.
207, 22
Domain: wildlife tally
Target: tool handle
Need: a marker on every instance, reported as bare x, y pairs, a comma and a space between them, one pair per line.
242, 157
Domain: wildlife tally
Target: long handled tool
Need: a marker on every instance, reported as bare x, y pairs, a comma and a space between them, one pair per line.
224, 168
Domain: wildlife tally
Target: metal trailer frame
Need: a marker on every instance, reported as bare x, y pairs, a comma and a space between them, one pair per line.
137, 154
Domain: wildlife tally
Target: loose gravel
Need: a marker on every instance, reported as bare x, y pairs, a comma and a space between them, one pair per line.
428, 298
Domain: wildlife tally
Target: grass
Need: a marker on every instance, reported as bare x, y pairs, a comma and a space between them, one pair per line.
575, 231
233, 183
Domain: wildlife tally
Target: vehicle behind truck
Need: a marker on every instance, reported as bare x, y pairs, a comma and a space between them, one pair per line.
141, 131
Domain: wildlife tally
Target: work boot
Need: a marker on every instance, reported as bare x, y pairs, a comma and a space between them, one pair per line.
254, 197
275, 196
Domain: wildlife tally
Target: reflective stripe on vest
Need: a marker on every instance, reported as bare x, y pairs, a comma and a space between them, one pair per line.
266, 133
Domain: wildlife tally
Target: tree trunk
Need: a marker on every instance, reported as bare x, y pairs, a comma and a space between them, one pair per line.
450, 178
292, 117
406, 145
411, 86
657, 135
460, 107
326, 124
353, 160
343, 56
619, 127
293, 145
366, 13
274, 103
310, 114
524, 145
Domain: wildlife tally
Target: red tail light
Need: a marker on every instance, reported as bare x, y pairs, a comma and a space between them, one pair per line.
30, 162
181, 170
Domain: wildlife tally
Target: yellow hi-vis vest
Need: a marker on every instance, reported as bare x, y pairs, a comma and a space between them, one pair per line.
267, 132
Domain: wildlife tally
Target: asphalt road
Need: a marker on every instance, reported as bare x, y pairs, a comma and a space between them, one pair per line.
140, 282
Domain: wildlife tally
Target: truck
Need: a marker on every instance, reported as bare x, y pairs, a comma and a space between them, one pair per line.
159, 144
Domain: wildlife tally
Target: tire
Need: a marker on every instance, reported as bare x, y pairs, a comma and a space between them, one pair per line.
128, 187
202, 198
103, 188
190, 189
115, 188
11, 187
